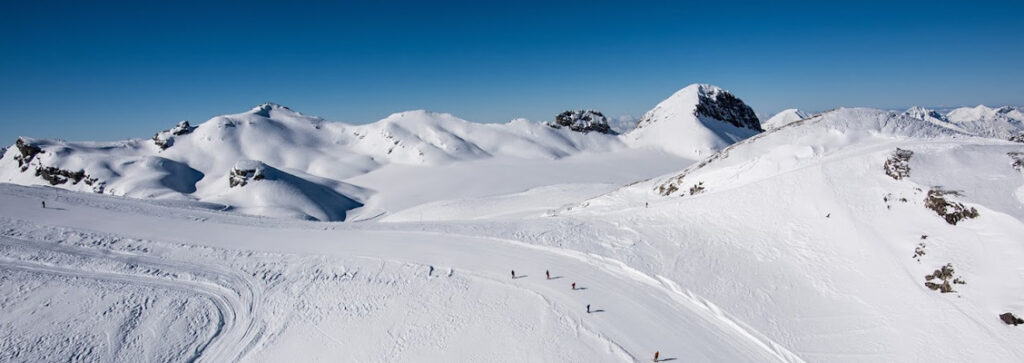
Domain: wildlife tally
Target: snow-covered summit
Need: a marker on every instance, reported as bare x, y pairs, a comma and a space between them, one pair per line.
696, 121
785, 117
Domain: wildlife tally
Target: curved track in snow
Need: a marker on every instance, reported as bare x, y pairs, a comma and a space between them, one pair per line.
636, 312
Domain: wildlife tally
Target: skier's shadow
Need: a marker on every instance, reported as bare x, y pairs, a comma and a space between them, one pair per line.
520, 277
665, 359
600, 311
554, 277
55, 208
581, 288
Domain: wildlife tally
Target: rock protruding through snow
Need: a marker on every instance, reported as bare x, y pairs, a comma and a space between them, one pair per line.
582, 121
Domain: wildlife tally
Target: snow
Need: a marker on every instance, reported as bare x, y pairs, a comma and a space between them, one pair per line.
785, 117
1001, 123
364, 292
272, 235
674, 125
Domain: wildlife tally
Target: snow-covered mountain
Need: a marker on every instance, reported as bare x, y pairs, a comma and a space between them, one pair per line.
852, 235
1002, 123
194, 162
785, 117
856, 223
695, 122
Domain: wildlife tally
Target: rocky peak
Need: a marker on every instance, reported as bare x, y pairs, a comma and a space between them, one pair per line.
582, 121
721, 105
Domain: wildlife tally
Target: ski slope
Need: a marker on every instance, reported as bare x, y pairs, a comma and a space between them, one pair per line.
209, 257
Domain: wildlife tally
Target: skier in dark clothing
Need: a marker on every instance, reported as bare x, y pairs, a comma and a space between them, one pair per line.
513, 274
574, 286
548, 274
44, 204
656, 356
588, 308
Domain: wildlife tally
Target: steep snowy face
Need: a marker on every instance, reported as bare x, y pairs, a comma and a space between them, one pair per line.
785, 117
582, 121
695, 122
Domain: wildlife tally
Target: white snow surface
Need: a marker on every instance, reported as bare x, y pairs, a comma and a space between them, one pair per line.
788, 245
673, 125
328, 170
1001, 123
785, 117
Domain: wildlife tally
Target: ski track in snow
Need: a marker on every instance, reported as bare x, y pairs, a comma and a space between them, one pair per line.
635, 314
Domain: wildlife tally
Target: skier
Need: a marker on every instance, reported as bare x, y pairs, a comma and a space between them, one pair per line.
548, 274
656, 355
513, 274
574, 286
588, 308
44, 204
431, 273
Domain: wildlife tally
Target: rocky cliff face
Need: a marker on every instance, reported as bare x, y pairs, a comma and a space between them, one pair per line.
723, 106
583, 121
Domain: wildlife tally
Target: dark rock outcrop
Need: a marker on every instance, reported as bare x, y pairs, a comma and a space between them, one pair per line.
1010, 319
582, 121
945, 275
165, 139
28, 152
242, 173
724, 106
953, 212
898, 164
1018, 160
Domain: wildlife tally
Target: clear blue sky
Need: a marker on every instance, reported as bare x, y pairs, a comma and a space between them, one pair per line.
108, 71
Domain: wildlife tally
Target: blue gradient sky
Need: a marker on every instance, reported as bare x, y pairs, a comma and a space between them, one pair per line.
103, 72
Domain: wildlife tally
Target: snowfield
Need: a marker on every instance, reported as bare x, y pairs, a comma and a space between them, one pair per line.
853, 235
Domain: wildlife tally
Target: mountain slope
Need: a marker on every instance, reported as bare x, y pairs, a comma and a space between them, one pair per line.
849, 224
695, 122
195, 162
784, 118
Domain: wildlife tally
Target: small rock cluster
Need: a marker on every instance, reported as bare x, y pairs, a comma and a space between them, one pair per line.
945, 275
240, 176
1018, 160
898, 164
953, 212
164, 139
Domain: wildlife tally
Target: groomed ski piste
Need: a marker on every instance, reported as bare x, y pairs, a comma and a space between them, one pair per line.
183, 289
853, 235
